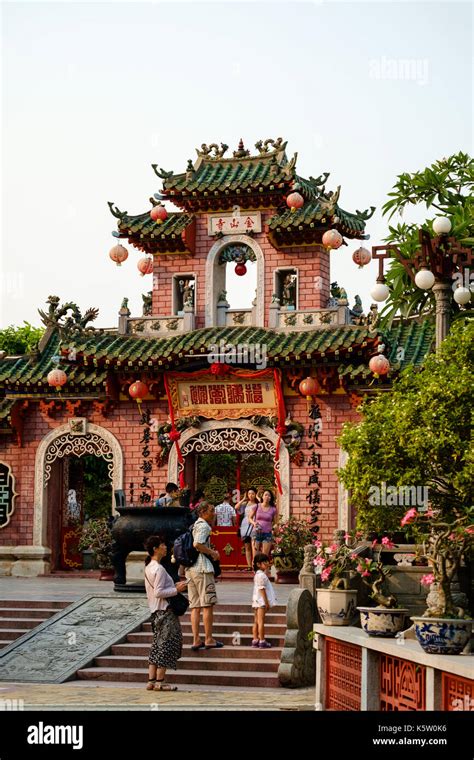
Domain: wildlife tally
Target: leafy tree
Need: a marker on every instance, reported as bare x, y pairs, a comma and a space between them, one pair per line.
20, 340
419, 434
447, 186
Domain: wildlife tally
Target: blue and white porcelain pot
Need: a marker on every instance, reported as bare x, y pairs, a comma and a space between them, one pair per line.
336, 606
442, 635
381, 621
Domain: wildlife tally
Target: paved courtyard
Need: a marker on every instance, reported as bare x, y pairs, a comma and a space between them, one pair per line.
82, 695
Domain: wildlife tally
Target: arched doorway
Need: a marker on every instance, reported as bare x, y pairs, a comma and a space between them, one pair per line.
57, 505
236, 436
215, 276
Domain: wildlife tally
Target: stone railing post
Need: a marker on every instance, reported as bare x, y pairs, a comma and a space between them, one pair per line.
297, 666
222, 307
124, 314
188, 319
307, 576
273, 315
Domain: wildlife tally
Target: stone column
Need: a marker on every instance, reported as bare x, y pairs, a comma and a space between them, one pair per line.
319, 644
124, 314
443, 294
370, 681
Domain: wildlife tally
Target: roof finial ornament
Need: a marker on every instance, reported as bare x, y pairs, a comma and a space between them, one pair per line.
241, 151
161, 173
115, 211
366, 214
277, 144
206, 150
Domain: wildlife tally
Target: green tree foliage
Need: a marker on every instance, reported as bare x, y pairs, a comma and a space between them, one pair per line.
447, 186
419, 434
20, 340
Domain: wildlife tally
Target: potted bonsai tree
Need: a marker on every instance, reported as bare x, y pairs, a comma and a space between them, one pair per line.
97, 536
335, 564
445, 627
289, 539
386, 619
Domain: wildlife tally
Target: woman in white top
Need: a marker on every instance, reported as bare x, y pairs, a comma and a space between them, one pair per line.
247, 506
167, 636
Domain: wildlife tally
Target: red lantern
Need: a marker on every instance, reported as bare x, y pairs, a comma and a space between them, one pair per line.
294, 201
138, 391
145, 266
309, 388
56, 378
379, 365
332, 239
118, 254
159, 214
361, 257
240, 269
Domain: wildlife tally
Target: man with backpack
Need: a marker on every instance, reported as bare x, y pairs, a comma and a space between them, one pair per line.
201, 581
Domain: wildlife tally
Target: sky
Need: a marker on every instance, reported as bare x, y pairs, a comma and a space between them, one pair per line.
94, 93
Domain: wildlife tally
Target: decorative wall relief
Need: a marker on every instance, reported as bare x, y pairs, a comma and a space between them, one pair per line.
7, 494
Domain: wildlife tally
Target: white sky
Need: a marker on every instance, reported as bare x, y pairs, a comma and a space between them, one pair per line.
93, 93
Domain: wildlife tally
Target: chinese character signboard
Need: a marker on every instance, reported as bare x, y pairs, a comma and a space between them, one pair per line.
7, 494
220, 398
240, 223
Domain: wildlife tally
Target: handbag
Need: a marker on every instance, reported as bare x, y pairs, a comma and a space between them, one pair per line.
217, 567
178, 604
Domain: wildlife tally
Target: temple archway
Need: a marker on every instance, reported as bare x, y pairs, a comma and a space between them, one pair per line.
215, 277
234, 435
63, 442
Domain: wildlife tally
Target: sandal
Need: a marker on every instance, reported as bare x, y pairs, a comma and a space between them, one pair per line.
162, 686
151, 684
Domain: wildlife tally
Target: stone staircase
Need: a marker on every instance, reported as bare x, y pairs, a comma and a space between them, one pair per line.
17, 617
236, 665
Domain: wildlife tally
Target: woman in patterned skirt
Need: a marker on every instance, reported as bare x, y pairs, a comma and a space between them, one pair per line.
167, 636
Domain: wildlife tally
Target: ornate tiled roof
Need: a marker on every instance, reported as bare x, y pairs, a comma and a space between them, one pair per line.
263, 181
346, 346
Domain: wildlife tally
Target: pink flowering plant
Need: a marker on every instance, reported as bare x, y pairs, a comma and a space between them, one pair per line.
373, 574
442, 543
289, 539
337, 562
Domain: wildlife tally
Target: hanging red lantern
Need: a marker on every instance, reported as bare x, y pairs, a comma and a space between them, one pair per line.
159, 214
332, 239
309, 387
294, 201
138, 391
118, 254
145, 266
240, 269
379, 365
56, 378
361, 257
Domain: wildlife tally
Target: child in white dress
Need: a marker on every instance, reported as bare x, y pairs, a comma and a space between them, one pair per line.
263, 600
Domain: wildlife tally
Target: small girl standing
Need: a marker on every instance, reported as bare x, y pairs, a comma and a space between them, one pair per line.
263, 599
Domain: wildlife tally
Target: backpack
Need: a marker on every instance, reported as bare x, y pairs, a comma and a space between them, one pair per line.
183, 549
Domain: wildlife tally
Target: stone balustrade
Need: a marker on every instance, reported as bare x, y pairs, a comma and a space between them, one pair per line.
239, 317
157, 326
282, 318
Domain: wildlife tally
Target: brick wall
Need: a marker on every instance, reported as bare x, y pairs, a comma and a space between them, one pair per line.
312, 263
123, 423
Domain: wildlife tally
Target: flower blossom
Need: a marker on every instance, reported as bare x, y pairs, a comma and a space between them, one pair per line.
320, 561
387, 542
410, 515
427, 580
325, 574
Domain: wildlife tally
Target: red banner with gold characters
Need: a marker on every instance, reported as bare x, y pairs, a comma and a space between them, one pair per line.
239, 394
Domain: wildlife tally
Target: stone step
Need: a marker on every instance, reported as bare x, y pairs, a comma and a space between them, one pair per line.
242, 617
34, 604
244, 629
19, 612
201, 677
4, 644
279, 609
239, 652
23, 623
10, 634
199, 661
144, 637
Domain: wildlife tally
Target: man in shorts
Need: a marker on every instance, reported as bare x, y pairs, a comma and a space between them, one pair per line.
201, 581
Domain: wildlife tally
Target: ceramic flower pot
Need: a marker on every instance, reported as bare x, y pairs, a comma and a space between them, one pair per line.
336, 606
287, 576
442, 635
381, 621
